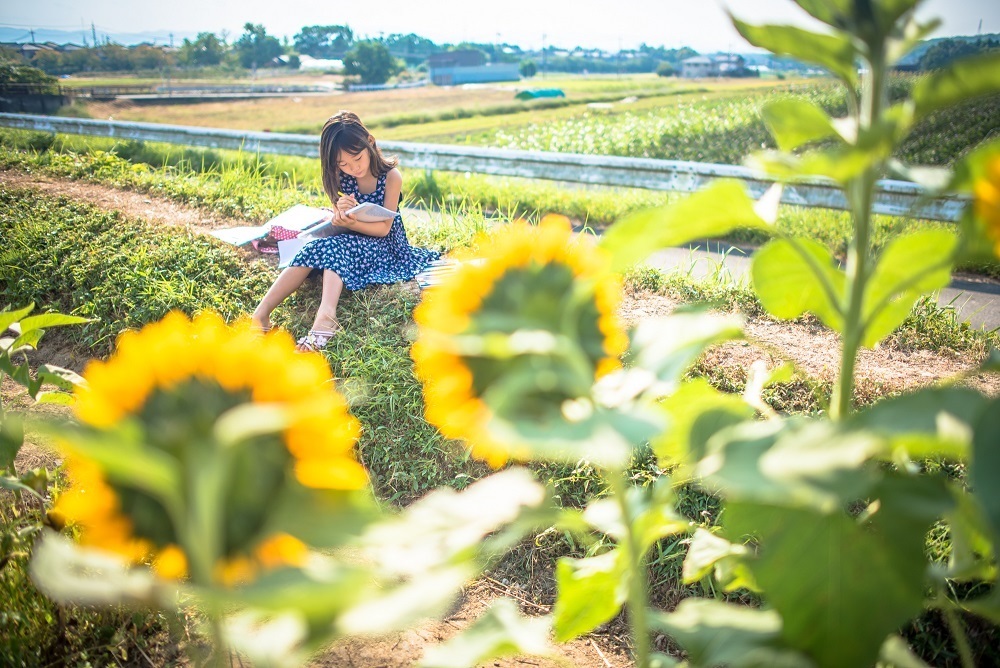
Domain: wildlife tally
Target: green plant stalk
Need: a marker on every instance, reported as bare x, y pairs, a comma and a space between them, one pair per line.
957, 630
860, 194
637, 602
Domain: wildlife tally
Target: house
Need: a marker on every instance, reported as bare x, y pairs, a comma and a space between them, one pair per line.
717, 65
451, 68
697, 67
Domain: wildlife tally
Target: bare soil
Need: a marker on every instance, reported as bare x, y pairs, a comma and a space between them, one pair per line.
811, 347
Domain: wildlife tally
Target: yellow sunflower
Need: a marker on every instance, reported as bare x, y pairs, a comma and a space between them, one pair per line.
171, 381
508, 334
987, 202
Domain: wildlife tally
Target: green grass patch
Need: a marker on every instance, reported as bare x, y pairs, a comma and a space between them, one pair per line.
256, 187
34, 631
125, 273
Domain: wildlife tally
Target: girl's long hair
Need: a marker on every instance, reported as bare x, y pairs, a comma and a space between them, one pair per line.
344, 131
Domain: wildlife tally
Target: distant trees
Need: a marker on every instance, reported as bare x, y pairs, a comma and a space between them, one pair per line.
666, 70
255, 47
528, 68
324, 41
947, 50
14, 72
207, 50
412, 48
371, 62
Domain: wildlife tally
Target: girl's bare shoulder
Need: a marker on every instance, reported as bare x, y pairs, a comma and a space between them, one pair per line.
393, 176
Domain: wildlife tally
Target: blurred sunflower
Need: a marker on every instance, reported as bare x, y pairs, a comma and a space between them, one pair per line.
158, 401
987, 202
517, 335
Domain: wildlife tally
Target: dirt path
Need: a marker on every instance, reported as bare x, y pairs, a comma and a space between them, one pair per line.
812, 348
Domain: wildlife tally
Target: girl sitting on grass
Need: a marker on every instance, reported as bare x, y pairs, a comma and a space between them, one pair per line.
363, 253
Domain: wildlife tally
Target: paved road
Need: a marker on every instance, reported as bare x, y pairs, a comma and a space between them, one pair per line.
975, 298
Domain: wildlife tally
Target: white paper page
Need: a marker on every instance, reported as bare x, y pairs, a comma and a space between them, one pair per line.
299, 217
369, 212
240, 235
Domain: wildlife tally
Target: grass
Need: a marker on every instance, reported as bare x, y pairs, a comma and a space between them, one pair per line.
79, 259
255, 188
34, 631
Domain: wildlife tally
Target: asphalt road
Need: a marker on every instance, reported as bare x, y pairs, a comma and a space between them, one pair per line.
976, 299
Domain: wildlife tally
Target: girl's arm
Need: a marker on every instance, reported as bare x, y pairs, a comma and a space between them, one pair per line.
393, 187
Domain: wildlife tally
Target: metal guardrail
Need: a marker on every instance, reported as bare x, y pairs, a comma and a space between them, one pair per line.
901, 198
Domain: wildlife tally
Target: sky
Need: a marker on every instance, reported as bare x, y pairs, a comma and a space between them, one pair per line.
531, 24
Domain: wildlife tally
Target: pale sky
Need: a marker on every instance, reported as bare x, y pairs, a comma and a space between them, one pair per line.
609, 25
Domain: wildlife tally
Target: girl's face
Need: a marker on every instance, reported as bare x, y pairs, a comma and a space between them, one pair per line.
354, 164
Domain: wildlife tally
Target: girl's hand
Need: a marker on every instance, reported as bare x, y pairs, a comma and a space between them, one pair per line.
345, 202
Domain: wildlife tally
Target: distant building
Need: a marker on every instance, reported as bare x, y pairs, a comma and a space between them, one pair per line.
452, 68
719, 65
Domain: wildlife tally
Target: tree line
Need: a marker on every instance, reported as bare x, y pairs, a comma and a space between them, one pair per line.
375, 60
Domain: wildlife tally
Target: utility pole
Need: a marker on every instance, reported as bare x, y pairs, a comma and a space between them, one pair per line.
33, 34
171, 40
543, 55
93, 32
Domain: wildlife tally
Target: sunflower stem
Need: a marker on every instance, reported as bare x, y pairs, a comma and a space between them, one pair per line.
637, 594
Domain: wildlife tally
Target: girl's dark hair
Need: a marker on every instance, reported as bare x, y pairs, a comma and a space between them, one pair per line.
344, 131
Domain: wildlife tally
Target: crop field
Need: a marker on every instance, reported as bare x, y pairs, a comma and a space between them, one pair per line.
417, 106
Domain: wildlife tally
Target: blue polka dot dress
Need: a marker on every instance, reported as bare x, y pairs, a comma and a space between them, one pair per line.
361, 260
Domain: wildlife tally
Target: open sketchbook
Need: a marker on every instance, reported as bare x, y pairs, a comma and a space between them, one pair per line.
300, 218
368, 212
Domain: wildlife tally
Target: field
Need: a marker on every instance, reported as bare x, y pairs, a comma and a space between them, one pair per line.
418, 105
116, 231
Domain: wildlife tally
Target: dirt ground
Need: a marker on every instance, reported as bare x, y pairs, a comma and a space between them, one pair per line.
812, 348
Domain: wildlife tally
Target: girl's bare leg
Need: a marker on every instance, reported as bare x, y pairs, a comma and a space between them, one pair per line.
287, 282
325, 325
326, 314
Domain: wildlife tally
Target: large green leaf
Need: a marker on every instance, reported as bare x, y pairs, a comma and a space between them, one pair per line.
11, 440
795, 122
402, 606
908, 268
69, 573
895, 653
972, 549
447, 527
835, 13
962, 80
651, 514
14, 485
712, 212
835, 52
974, 165
667, 347
931, 422
712, 554
47, 320
124, 458
590, 592
797, 463
861, 580
714, 633
500, 631
697, 411
8, 318
795, 276
984, 471
987, 607
345, 515
64, 379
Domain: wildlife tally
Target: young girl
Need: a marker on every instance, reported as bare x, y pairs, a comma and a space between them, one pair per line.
354, 171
